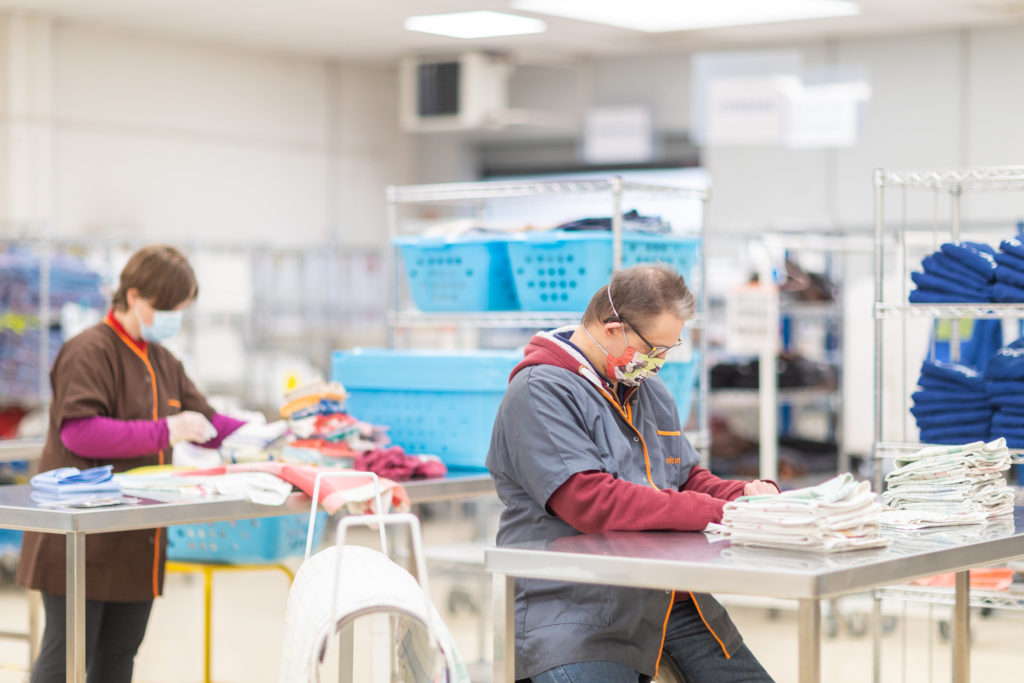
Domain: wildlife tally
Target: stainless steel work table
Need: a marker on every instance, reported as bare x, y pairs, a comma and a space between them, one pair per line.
691, 562
18, 511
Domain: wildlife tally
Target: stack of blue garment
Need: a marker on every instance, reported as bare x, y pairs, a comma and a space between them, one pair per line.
72, 487
1004, 382
960, 272
1009, 286
951, 405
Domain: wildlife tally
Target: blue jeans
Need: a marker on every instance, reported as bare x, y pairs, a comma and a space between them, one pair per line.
693, 650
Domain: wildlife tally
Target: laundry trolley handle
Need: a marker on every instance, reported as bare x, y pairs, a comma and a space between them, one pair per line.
416, 547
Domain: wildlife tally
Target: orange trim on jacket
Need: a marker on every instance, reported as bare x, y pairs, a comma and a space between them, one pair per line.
141, 349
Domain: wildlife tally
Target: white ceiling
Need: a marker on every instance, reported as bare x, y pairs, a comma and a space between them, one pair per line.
368, 30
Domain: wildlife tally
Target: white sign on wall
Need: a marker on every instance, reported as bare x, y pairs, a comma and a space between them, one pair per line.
749, 110
614, 135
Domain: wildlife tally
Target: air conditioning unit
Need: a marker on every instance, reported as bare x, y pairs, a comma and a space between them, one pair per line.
459, 92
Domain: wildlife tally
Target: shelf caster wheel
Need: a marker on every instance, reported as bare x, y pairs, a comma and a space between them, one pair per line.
857, 625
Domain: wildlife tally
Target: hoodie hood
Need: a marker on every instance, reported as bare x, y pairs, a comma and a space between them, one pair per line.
551, 348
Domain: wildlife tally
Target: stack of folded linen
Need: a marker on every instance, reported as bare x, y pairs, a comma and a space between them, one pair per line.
252, 441
960, 272
1004, 383
942, 485
1009, 273
951, 406
839, 514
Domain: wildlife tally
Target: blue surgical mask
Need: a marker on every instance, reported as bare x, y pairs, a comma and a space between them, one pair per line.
165, 325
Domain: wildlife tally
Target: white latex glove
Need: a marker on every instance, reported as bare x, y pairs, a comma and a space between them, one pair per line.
190, 426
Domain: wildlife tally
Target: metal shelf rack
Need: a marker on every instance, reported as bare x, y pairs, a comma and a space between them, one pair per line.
477, 197
890, 304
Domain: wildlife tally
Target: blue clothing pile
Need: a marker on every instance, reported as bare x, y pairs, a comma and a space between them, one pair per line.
951, 406
1004, 382
1009, 285
960, 272
69, 486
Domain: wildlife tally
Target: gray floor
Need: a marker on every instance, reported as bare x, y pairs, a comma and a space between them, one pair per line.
248, 611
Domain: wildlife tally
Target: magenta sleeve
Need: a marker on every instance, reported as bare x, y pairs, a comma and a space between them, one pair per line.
107, 438
225, 426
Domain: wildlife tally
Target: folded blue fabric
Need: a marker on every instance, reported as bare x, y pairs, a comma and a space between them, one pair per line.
1001, 419
947, 266
926, 296
71, 480
973, 255
972, 418
954, 434
950, 410
1013, 442
1006, 387
1009, 401
926, 382
1006, 364
939, 283
1010, 276
1006, 293
1008, 260
1015, 432
929, 396
957, 373
1013, 246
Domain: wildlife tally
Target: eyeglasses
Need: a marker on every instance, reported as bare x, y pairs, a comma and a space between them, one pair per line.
656, 351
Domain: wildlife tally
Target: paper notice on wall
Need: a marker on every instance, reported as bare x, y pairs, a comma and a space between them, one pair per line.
615, 135
752, 318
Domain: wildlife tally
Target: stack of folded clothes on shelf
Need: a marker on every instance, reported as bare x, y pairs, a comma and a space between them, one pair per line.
960, 272
252, 441
837, 515
1004, 384
322, 431
951, 406
1009, 273
945, 485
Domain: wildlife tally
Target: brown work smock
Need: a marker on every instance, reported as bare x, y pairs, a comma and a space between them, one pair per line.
104, 372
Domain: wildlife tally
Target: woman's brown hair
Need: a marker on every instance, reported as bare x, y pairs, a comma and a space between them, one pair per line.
162, 275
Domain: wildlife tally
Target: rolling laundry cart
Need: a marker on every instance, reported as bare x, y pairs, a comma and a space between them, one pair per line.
360, 581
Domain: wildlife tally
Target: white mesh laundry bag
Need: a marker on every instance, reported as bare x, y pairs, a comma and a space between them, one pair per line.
368, 582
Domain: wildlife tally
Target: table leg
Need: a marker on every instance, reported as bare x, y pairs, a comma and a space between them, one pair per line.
74, 605
962, 629
876, 636
504, 629
810, 641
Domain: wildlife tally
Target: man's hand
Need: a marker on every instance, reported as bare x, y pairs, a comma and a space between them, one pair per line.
760, 488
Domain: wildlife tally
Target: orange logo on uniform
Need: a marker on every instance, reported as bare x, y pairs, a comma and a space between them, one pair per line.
673, 461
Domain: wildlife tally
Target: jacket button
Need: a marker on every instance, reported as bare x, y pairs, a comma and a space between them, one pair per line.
636, 438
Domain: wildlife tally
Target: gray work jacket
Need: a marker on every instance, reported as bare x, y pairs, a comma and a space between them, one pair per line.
553, 423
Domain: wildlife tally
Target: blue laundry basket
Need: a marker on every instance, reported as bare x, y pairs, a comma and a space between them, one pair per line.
560, 270
438, 402
243, 541
464, 273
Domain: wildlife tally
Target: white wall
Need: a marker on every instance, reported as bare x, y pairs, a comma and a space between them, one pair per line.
155, 138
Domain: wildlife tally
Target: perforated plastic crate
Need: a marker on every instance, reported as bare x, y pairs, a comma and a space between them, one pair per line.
243, 541
468, 273
560, 270
439, 402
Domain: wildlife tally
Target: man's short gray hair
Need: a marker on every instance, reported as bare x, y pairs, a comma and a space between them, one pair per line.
641, 293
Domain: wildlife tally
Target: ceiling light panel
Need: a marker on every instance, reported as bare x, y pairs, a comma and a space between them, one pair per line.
477, 24
661, 16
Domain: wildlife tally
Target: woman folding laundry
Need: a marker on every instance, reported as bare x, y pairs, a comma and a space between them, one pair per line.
119, 398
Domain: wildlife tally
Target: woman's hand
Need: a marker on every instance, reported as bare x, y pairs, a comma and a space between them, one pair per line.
760, 488
189, 426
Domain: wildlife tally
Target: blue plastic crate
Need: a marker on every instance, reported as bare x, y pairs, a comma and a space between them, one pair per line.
10, 542
560, 270
439, 402
680, 378
243, 541
468, 273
